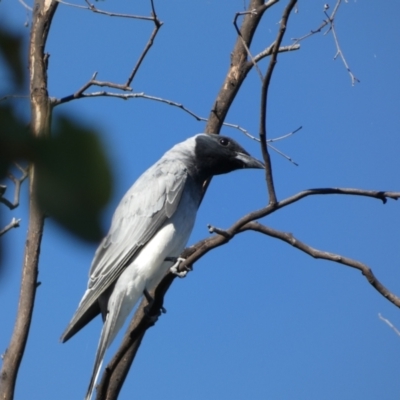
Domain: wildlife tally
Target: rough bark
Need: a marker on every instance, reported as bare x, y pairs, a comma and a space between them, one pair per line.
43, 12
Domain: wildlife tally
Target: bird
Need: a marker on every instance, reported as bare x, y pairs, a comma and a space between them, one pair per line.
149, 229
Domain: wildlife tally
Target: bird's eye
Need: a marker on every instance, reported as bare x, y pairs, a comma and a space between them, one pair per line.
224, 141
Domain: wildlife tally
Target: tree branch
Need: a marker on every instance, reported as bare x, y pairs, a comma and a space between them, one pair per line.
315, 253
13, 224
264, 100
94, 9
269, 209
387, 322
40, 125
116, 371
239, 66
268, 51
127, 96
17, 184
157, 26
330, 20
253, 61
124, 86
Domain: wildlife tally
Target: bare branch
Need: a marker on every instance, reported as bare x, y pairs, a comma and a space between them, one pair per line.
325, 22
17, 190
340, 53
157, 26
92, 8
268, 51
285, 136
269, 141
13, 224
118, 368
389, 324
198, 250
315, 253
253, 61
124, 86
126, 96
381, 195
330, 20
218, 231
264, 100
290, 159
271, 208
43, 12
239, 65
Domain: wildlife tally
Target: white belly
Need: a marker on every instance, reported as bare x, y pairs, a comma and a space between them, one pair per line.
149, 266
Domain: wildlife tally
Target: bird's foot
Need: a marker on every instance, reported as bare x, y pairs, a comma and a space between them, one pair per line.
175, 268
150, 300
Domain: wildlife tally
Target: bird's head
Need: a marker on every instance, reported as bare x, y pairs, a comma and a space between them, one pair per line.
216, 154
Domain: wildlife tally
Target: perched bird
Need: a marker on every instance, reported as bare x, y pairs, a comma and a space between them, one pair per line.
151, 225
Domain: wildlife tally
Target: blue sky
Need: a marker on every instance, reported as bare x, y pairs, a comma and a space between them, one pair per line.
256, 319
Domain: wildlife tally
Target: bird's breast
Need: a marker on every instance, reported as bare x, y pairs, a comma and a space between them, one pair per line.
150, 266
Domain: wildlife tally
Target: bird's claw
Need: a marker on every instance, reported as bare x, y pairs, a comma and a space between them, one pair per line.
175, 268
150, 302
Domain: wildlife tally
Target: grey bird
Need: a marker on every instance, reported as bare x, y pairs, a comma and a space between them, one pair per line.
151, 225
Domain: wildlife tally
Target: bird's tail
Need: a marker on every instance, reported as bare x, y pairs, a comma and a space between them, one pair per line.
110, 329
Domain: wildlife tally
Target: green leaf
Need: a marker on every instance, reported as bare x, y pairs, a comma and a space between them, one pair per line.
15, 141
74, 179
11, 49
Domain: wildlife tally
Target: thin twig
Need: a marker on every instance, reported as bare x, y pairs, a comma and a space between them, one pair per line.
218, 231
254, 62
282, 154
13, 224
17, 183
126, 96
389, 324
92, 8
124, 86
268, 51
250, 136
325, 22
339, 53
157, 26
285, 136
93, 82
265, 53
269, 141
330, 20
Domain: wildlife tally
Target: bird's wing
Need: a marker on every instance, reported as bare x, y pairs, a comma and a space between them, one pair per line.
143, 210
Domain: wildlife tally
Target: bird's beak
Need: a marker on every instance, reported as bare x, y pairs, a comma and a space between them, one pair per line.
249, 161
